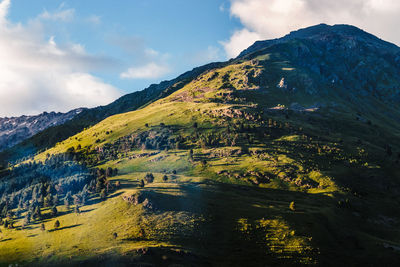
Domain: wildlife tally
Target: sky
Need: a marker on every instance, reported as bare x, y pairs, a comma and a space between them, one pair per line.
58, 55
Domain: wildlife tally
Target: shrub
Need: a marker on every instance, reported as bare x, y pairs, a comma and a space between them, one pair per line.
149, 177
292, 206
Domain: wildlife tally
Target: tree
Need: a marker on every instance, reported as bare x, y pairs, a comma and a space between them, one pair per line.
54, 211
204, 163
191, 155
56, 224
66, 203
149, 178
100, 184
109, 172
55, 200
77, 199
103, 194
77, 210
27, 218
37, 214
48, 200
67, 199
165, 178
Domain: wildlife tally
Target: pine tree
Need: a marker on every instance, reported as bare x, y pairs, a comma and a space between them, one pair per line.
103, 194
54, 211
149, 178
56, 224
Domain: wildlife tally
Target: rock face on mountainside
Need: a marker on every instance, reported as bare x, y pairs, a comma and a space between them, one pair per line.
16, 129
339, 56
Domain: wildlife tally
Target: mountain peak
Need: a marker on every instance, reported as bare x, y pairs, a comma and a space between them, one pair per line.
324, 33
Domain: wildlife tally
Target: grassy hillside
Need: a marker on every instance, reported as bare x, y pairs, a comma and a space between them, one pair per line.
244, 165
88, 117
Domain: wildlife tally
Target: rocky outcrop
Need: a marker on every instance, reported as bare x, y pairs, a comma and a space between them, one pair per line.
140, 198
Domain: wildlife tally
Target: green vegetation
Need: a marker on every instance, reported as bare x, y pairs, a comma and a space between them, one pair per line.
238, 159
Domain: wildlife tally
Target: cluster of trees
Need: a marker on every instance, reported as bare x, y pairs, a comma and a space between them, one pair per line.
28, 188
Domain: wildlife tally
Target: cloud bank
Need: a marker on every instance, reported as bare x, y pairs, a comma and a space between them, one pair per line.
148, 64
267, 19
37, 74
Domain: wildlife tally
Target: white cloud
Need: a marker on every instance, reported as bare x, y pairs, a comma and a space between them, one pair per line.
37, 74
267, 19
151, 70
63, 15
4, 6
239, 39
94, 19
151, 52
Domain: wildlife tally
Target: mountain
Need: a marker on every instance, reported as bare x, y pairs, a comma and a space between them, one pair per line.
88, 117
287, 155
16, 129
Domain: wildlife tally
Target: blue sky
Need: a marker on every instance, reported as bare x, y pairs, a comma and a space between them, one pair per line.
58, 55
185, 33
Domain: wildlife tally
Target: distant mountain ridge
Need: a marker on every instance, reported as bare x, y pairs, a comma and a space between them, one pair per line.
14, 130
